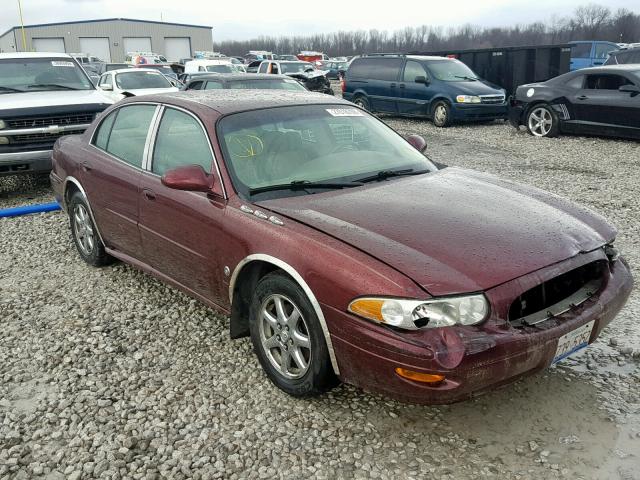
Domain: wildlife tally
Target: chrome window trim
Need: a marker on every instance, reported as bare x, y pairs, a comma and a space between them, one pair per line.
76, 182
112, 112
206, 135
151, 138
305, 287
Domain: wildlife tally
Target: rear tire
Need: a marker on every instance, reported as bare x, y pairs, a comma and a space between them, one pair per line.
542, 121
362, 102
288, 338
441, 114
85, 234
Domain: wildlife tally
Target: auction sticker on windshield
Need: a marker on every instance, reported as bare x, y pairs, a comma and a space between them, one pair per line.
573, 341
57, 63
345, 112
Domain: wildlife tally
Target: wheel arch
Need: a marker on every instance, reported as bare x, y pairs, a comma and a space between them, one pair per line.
70, 186
246, 275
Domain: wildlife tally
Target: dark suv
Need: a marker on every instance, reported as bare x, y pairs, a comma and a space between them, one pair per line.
622, 57
440, 88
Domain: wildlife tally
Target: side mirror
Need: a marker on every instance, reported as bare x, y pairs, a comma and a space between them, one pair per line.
422, 79
107, 88
629, 89
190, 177
418, 142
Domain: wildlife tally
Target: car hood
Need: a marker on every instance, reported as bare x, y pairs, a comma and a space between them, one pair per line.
10, 101
150, 91
308, 75
477, 87
455, 230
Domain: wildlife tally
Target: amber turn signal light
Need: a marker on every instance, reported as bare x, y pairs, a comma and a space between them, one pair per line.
429, 378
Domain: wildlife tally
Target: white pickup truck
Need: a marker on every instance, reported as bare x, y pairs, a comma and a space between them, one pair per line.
43, 96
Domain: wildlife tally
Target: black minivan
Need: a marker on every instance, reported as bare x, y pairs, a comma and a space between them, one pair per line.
443, 89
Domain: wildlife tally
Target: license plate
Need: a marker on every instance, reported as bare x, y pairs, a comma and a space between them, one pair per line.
573, 341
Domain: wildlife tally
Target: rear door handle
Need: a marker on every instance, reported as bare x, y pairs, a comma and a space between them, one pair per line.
393, 85
402, 85
582, 97
149, 195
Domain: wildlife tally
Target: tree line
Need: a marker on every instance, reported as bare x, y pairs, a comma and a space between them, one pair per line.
588, 22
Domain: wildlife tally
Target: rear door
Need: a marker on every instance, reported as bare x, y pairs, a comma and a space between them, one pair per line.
111, 174
383, 83
416, 97
181, 230
580, 55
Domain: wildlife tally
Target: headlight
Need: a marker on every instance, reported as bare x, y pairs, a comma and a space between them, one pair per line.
415, 314
2, 124
4, 140
468, 99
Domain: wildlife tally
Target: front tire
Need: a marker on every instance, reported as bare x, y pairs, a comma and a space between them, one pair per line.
542, 121
441, 114
84, 233
288, 338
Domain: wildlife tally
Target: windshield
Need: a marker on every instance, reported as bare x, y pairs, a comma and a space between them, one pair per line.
284, 84
39, 74
295, 67
223, 68
316, 143
141, 79
451, 71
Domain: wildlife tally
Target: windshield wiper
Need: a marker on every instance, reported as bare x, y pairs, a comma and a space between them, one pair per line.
54, 85
302, 185
384, 174
466, 77
10, 89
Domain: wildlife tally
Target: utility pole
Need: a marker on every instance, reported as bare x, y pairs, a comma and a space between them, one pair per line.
24, 36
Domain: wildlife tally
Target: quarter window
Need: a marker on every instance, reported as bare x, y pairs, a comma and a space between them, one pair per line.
581, 50
213, 86
104, 130
412, 70
180, 141
106, 80
576, 82
263, 67
129, 133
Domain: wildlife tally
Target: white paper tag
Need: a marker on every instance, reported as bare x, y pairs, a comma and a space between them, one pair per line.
345, 112
57, 63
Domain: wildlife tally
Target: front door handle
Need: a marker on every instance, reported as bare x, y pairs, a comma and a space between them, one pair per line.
402, 85
582, 97
393, 85
85, 166
149, 195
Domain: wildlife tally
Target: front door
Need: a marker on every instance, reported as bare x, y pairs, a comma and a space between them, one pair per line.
415, 96
600, 104
111, 175
181, 230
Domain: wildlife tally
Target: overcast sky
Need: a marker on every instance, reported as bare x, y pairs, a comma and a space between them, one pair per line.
242, 19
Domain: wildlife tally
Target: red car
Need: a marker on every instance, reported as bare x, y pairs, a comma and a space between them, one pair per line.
337, 245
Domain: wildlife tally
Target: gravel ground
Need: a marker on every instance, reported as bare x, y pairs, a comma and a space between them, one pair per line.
108, 373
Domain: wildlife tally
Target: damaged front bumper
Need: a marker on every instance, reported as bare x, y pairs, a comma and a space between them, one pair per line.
472, 359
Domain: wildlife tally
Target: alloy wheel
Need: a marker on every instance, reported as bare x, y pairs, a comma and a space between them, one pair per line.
540, 122
284, 336
83, 229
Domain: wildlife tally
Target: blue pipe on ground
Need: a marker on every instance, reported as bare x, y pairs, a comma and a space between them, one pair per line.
29, 209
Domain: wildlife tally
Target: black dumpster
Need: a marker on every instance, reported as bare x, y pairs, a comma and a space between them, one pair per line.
513, 66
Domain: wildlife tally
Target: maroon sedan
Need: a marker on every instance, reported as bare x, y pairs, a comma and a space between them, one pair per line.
337, 245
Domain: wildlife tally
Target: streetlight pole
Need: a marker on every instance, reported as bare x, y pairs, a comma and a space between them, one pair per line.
24, 36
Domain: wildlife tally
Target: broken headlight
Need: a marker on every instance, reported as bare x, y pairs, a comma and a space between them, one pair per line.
415, 314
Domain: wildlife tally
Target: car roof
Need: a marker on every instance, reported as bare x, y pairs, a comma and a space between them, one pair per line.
618, 52
231, 101
239, 76
626, 67
128, 70
34, 55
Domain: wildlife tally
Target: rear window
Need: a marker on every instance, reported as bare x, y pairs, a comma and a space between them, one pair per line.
376, 68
